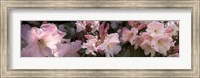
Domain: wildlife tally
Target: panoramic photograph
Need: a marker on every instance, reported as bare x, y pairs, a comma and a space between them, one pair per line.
93, 38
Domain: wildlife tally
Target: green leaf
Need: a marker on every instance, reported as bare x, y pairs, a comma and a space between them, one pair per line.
122, 52
132, 52
83, 55
68, 25
127, 53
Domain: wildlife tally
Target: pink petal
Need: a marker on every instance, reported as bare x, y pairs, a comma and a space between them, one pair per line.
33, 35
54, 38
141, 26
36, 51
114, 38
101, 47
133, 23
155, 28
76, 46
147, 47
89, 37
134, 30
147, 36
107, 28
63, 49
102, 32
69, 49
117, 49
49, 27
125, 34
65, 41
138, 41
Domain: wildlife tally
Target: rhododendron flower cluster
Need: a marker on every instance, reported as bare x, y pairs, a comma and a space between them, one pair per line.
108, 43
100, 38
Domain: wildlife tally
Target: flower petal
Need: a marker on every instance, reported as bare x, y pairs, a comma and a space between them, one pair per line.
36, 51
33, 35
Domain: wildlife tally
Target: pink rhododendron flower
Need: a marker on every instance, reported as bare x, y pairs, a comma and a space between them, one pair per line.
42, 42
90, 44
82, 25
148, 48
93, 41
155, 28
162, 43
129, 35
146, 45
94, 25
171, 30
111, 45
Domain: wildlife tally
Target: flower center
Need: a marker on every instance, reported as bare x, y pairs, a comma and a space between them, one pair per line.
159, 42
171, 30
155, 31
41, 44
109, 46
131, 35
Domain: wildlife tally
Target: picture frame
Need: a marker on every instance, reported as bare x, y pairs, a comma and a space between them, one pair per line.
6, 5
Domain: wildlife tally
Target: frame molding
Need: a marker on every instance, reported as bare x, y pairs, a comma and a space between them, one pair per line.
6, 5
